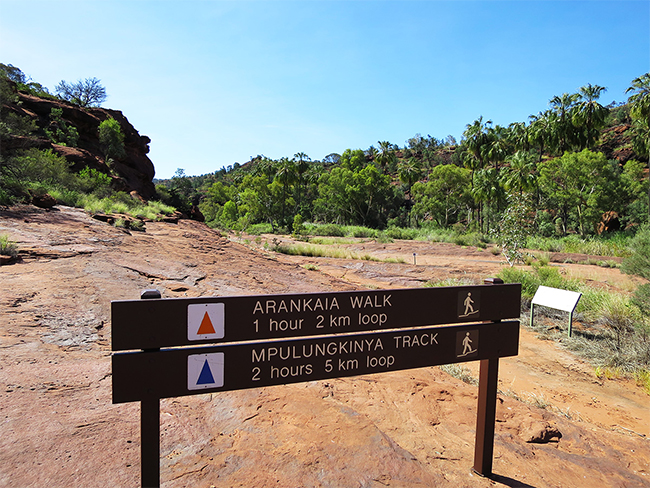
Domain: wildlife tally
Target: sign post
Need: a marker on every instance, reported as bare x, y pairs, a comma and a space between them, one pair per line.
258, 341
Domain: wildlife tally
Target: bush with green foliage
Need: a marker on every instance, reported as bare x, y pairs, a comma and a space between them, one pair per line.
332, 230
61, 132
7, 246
111, 139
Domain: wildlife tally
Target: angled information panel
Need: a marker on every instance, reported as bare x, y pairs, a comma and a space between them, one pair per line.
189, 371
150, 324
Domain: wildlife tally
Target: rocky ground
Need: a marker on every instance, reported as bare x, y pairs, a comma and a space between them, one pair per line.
399, 429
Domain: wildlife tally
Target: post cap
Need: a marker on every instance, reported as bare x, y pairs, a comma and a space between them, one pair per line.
149, 294
493, 281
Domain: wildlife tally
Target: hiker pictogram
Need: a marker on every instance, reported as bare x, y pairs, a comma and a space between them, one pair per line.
466, 344
468, 305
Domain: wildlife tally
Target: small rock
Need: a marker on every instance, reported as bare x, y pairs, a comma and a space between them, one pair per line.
43, 201
540, 433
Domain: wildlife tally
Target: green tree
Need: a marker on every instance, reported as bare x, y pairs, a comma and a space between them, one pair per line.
353, 160
631, 195
259, 201
215, 198
444, 197
355, 196
60, 131
111, 139
579, 184
514, 227
85, 93
487, 193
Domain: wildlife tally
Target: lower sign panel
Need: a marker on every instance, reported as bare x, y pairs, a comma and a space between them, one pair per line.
190, 371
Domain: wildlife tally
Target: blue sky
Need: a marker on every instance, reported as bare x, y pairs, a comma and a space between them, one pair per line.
217, 82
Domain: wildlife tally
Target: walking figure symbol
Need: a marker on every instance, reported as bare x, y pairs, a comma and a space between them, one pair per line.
469, 309
467, 346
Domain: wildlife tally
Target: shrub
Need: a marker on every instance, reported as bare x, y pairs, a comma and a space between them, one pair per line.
329, 230
363, 232
297, 226
39, 166
90, 180
401, 233
639, 262
7, 246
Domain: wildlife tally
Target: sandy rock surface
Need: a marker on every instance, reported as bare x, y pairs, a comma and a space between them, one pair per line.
401, 429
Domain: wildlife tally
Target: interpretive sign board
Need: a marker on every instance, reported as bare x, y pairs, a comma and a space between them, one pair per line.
177, 347
556, 298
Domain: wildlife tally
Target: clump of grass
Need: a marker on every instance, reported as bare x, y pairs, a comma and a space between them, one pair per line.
7, 246
123, 203
382, 238
615, 245
450, 282
460, 372
313, 251
642, 378
328, 230
330, 241
608, 373
316, 251
540, 275
394, 260
310, 267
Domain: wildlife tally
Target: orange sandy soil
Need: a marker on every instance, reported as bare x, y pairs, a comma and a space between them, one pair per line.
411, 428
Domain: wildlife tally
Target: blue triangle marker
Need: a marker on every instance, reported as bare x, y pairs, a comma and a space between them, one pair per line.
205, 378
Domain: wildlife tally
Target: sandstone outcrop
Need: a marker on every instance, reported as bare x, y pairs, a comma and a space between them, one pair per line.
133, 172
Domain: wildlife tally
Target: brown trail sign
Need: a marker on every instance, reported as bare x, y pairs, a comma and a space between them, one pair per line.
279, 339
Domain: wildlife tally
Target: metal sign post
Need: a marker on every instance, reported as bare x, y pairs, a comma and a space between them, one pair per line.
258, 341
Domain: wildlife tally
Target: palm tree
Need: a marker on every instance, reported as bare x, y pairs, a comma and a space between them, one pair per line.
409, 173
563, 107
640, 110
496, 147
386, 155
541, 131
640, 102
476, 138
640, 98
589, 113
286, 176
520, 175
301, 166
518, 136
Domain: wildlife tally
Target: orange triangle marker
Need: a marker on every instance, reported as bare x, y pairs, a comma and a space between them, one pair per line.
206, 325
